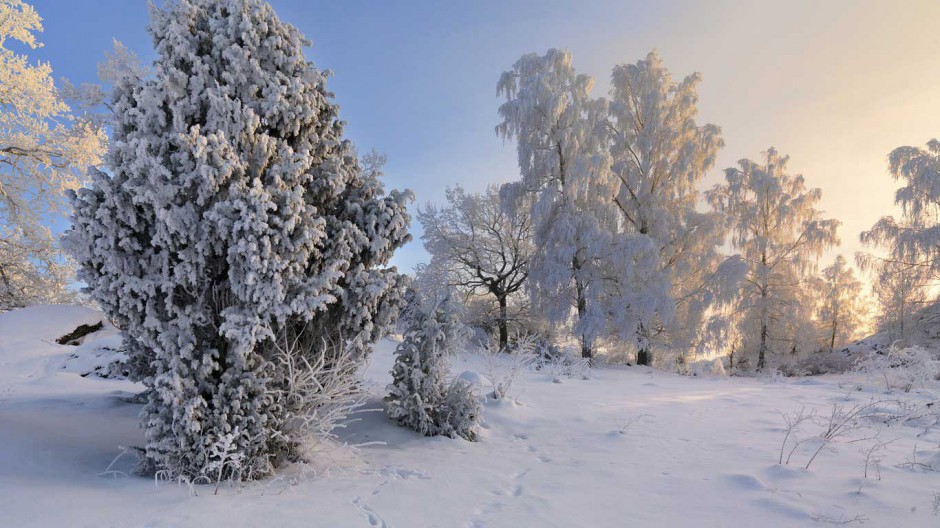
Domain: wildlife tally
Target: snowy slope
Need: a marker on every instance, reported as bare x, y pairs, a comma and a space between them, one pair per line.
698, 452
924, 331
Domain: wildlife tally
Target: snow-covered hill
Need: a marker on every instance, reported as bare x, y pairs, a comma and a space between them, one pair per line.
924, 332
627, 447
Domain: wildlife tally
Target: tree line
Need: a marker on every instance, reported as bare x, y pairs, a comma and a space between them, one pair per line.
609, 235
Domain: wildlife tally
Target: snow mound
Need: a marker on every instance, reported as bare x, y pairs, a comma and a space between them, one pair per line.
28, 347
99, 354
475, 379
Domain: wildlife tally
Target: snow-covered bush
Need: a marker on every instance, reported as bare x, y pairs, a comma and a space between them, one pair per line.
557, 362
422, 394
502, 366
233, 210
901, 368
702, 367
315, 395
817, 363
461, 412
839, 425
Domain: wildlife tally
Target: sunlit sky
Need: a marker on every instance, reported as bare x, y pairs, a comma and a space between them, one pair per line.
836, 85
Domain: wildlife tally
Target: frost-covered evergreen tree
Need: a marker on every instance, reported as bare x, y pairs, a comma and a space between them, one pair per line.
584, 262
779, 233
659, 155
422, 395
234, 211
842, 312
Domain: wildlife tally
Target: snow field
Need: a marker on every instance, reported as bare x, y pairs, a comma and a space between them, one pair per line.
629, 446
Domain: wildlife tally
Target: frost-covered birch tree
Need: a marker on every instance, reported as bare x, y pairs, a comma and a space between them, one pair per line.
44, 151
779, 233
913, 239
94, 99
842, 312
234, 212
659, 155
901, 290
907, 257
583, 262
481, 247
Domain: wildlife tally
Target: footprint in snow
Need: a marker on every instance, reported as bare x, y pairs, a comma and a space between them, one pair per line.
373, 518
397, 473
521, 474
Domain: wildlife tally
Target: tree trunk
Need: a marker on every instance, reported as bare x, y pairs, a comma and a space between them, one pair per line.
832, 338
503, 323
586, 351
644, 356
731, 361
644, 353
762, 351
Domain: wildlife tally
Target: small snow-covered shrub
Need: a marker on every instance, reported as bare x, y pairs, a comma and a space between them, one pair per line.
547, 352
772, 375
422, 396
901, 368
558, 362
924, 460
461, 412
838, 426
502, 368
703, 367
315, 392
624, 426
817, 364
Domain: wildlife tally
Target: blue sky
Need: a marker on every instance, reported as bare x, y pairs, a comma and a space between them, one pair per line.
836, 85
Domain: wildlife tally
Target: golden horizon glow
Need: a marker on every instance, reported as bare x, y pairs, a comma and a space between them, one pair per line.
834, 85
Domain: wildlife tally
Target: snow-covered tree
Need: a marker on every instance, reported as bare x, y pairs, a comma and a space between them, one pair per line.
913, 239
901, 290
908, 248
780, 233
583, 261
44, 151
94, 99
423, 396
659, 156
481, 247
234, 212
842, 312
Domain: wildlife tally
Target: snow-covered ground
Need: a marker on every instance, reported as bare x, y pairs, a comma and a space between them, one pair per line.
628, 447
